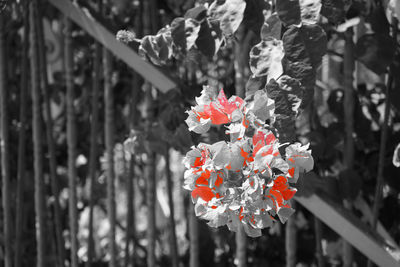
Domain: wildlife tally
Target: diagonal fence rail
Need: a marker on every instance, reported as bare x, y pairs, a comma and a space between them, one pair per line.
351, 229
120, 50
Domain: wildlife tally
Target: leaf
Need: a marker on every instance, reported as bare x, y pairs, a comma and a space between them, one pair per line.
272, 27
198, 13
196, 125
262, 106
180, 139
305, 44
287, 94
379, 21
396, 156
288, 12
333, 10
305, 73
310, 11
375, 51
265, 58
251, 231
206, 42
235, 159
157, 47
184, 33
289, 97
229, 13
253, 17
285, 213
220, 154
207, 95
254, 84
298, 157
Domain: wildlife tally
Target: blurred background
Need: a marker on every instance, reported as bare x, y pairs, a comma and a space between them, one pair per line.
92, 139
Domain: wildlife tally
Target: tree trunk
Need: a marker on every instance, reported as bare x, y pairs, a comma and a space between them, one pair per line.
130, 228
150, 174
50, 141
71, 140
291, 240
94, 128
21, 138
241, 237
109, 141
173, 245
194, 237
94, 131
384, 136
5, 149
318, 243
349, 125
37, 139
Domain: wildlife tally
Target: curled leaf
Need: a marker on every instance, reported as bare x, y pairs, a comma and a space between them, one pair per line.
306, 44
333, 10
266, 57
184, 33
289, 12
272, 27
310, 11
229, 13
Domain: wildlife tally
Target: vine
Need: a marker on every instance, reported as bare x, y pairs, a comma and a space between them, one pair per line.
247, 181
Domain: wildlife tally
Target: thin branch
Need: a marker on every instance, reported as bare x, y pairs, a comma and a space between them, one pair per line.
37, 138
94, 128
5, 149
174, 246
50, 141
23, 120
71, 140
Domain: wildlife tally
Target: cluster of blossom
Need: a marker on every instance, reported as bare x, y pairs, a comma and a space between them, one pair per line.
245, 182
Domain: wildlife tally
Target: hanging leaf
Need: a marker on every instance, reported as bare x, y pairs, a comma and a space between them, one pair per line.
266, 57
305, 73
375, 51
208, 39
306, 44
262, 106
253, 17
379, 21
288, 12
287, 94
157, 47
229, 13
310, 11
299, 159
198, 13
333, 10
184, 33
272, 27
254, 84
304, 48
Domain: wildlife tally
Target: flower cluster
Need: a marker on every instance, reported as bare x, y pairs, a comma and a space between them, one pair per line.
245, 182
